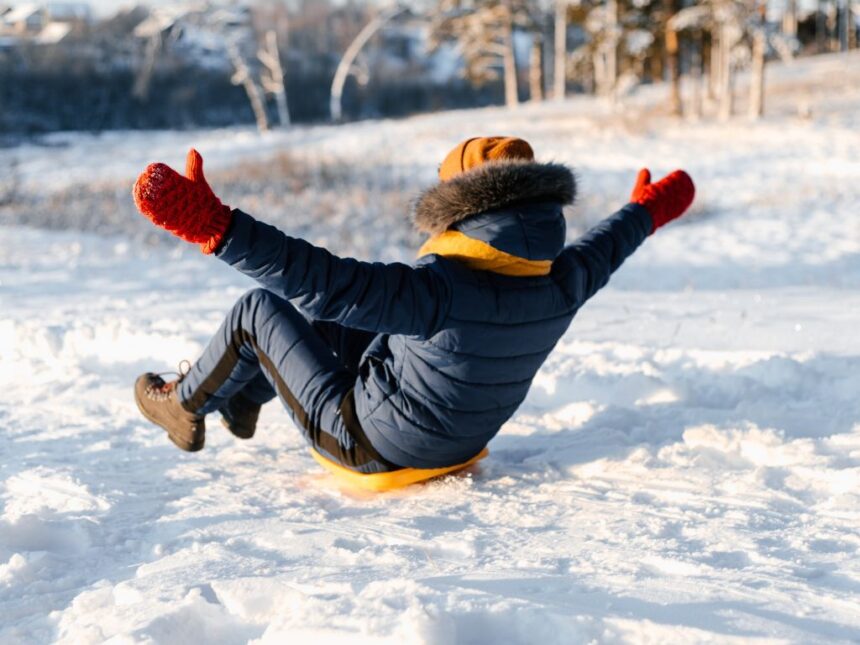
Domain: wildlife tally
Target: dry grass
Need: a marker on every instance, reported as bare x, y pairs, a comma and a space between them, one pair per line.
314, 199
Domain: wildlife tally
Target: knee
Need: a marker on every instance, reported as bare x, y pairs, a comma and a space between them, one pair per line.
255, 301
256, 296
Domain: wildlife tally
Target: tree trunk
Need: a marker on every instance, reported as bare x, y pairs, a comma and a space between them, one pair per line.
349, 56
715, 60
598, 62
657, 60
605, 57
243, 77
143, 77
257, 106
726, 91
612, 49
673, 62
821, 27
510, 64
833, 24
271, 58
696, 70
789, 19
559, 77
536, 70
756, 107
852, 27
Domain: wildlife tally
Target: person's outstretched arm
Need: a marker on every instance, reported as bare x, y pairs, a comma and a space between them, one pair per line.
584, 267
387, 298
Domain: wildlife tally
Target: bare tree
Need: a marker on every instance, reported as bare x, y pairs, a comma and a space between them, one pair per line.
846, 25
509, 59
759, 52
160, 31
536, 21
536, 80
559, 78
852, 26
347, 63
242, 76
235, 27
603, 25
673, 59
273, 81
143, 75
696, 71
789, 19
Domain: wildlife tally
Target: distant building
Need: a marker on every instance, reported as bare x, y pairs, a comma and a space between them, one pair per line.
26, 19
198, 34
43, 24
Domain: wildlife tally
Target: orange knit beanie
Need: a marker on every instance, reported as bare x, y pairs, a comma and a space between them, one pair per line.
478, 150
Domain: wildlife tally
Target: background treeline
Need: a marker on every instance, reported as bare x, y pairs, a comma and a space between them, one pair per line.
99, 76
50, 99
273, 62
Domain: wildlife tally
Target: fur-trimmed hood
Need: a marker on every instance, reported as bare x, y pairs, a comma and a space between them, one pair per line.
489, 187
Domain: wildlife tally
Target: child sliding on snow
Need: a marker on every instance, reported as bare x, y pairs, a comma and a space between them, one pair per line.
389, 366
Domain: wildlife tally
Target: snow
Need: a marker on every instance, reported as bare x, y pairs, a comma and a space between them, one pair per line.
685, 469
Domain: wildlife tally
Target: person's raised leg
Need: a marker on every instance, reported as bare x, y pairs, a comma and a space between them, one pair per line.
266, 334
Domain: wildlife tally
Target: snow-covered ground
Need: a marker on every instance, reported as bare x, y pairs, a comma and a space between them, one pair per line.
685, 469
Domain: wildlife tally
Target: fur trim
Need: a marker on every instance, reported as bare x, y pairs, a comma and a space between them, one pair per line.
493, 185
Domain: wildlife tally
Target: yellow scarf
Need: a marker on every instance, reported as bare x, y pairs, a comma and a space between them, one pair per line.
480, 256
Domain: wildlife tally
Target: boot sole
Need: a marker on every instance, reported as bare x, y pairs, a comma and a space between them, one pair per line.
178, 441
234, 432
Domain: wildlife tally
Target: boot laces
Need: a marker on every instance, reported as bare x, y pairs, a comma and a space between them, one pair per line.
168, 386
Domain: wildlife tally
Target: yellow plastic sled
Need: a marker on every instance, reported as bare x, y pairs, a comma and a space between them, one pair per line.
381, 482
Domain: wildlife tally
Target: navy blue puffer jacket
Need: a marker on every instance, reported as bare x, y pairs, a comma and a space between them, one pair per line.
456, 349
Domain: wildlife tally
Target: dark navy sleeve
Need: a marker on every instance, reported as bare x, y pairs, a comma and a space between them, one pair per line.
385, 298
584, 267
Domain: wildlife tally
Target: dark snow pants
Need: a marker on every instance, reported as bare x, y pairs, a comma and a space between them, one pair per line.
265, 348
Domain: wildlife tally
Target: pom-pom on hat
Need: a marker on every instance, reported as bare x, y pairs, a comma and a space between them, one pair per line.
479, 150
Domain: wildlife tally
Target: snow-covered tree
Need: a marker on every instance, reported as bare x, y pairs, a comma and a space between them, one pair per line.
739, 36
484, 31
620, 37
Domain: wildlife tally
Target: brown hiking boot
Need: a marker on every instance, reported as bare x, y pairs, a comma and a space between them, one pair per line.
159, 403
239, 415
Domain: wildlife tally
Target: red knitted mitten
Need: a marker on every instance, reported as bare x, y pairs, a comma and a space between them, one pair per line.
185, 206
665, 200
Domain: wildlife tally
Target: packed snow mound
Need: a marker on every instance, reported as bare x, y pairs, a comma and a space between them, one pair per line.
685, 469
